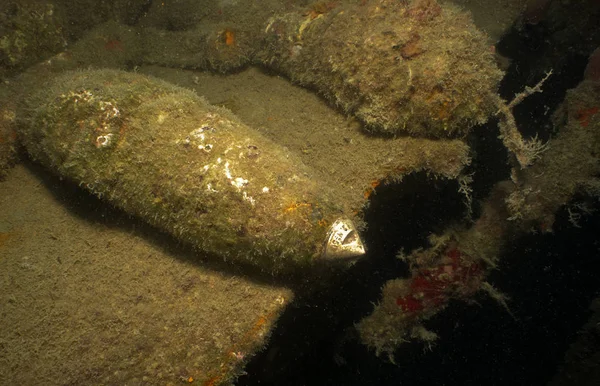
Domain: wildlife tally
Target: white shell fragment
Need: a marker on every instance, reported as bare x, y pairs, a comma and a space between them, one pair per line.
343, 241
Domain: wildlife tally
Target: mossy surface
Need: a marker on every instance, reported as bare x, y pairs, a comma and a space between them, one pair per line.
8, 143
8, 133
162, 153
415, 67
29, 31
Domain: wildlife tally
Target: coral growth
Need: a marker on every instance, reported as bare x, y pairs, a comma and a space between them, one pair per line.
439, 274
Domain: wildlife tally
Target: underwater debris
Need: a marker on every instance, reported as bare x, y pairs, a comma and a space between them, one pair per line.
163, 154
